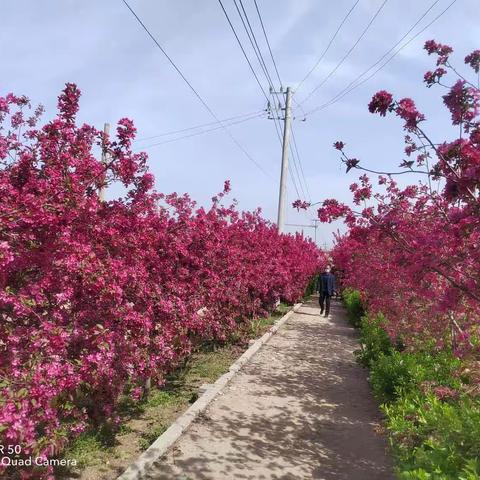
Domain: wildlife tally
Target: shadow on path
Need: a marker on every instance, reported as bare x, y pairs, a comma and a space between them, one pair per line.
301, 409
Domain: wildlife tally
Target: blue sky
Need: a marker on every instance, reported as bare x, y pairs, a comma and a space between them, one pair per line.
101, 47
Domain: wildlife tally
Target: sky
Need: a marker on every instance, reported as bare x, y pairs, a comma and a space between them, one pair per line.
101, 47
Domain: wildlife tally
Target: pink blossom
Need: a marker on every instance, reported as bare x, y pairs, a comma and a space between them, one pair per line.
380, 103
473, 59
300, 204
407, 110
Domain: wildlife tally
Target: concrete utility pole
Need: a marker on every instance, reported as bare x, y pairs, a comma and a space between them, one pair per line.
315, 226
106, 131
283, 176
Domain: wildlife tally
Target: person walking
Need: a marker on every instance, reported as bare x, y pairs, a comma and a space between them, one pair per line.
325, 288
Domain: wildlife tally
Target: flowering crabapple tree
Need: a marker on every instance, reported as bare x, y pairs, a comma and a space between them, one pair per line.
97, 297
413, 252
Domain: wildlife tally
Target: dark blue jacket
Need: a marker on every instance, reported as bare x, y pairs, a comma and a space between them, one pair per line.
326, 283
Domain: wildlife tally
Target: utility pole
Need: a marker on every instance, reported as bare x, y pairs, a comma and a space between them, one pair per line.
315, 226
283, 176
106, 131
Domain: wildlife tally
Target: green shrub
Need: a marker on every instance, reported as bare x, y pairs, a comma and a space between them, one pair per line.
435, 439
374, 340
311, 286
353, 303
401, 373
434, 427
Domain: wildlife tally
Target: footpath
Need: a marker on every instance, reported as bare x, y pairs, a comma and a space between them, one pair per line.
300, 409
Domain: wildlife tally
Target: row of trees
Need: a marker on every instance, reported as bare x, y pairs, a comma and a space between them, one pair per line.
414, 251
97, 298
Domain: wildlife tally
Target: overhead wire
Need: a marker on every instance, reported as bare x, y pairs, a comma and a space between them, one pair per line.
254, 44
327, 48
247, 26
300, 163
256, 48
195, 127
243, 50
354, 85
268, 43
200, 98
253, 41
252, 37
295, 165
349, 52
201, 132
278, 130
275, 118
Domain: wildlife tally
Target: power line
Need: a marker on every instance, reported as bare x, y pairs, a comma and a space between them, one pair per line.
253, 41
243, 50
300, 163
194, 134
328, 45
174, 132
278, 130
204, 103
256, 48
268, 43
296, 161
295, 157
298, 171
332, 72
348, 90
293, 180
258, 53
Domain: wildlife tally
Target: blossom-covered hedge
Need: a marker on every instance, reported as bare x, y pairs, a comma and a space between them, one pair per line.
414, 251
98, 296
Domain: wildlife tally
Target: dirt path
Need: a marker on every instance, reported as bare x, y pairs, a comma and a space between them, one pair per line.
301, 409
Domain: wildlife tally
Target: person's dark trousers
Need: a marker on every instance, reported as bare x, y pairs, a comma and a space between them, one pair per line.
324, 300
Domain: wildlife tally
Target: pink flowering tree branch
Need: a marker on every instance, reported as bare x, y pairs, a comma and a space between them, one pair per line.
416, 232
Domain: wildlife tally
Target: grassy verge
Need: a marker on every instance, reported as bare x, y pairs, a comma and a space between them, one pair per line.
430, 401
105, 452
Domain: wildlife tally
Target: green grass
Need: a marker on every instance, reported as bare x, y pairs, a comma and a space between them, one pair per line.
90, 448
149, 437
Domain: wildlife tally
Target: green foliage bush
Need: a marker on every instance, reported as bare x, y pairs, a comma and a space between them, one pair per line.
353, 303
435, 439
433, 424
397, 374
374, 340
310, 290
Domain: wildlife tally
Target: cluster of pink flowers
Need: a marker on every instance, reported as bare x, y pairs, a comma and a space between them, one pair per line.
430, 78
413, 251
407, 110
381, 102
463, 101
97, 297
332, 210
473, 59
301, 204
443, 51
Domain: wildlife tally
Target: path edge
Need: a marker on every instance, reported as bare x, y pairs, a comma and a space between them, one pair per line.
137, 469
